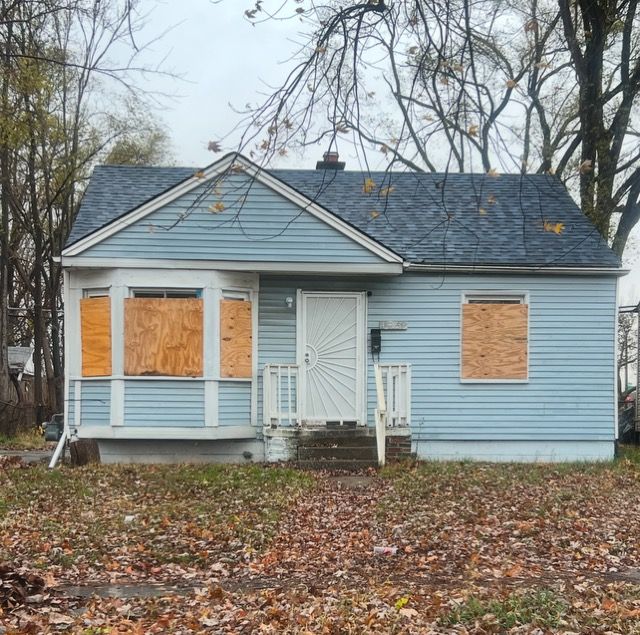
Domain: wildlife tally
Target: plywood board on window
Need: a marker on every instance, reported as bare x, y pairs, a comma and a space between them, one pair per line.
163, 337
95, 335
236, 339
495, 341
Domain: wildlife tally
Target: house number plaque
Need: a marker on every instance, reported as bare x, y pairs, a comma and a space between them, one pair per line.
393, 325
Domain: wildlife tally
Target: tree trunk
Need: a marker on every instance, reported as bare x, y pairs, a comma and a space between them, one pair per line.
5, 184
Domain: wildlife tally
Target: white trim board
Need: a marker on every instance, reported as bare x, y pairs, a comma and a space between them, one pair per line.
252, 170
336, 268
156, 433
616, 369
67, 335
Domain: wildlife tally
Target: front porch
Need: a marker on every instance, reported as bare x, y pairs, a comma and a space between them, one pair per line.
290, 435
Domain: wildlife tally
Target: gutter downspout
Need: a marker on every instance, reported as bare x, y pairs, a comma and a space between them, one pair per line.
59, 449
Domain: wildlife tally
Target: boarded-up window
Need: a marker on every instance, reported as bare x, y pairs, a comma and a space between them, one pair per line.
495, 340
95, 330
236, 340
163, 337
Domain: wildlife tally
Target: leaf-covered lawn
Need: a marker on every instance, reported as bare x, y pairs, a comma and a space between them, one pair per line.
479, 549
97, 524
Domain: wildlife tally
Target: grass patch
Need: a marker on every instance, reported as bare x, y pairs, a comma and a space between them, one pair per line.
542, 608
630, 453
138, 518
24, 440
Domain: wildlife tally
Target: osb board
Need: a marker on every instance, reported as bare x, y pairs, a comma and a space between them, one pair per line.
163, 336
236, 340
95, 335
494, 341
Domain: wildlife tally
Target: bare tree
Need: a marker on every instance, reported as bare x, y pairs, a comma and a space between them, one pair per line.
627, 344
494, 85
54, 127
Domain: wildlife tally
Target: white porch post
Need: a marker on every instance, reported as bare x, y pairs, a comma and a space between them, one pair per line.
118, 293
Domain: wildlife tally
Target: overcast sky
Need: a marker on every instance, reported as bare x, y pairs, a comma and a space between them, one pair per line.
226, 60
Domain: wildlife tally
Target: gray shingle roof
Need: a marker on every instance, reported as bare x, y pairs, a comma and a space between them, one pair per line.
454, 219
114, 190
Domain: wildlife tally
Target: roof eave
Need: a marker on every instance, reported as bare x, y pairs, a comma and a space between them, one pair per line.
515, 269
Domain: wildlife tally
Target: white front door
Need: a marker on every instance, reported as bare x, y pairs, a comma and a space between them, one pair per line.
332, 356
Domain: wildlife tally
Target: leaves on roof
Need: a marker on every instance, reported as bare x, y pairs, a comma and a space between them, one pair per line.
368, 186
385, 191
556, 228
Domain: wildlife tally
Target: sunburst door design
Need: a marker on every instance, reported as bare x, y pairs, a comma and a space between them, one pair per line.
332, 356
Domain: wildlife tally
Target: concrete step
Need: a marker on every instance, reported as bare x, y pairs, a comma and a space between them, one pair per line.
339, 432
367, 453
340, 442
350, 466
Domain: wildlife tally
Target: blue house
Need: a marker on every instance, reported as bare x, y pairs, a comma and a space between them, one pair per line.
234, 313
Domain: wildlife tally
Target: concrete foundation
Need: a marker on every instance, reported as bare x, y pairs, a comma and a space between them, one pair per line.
143, 451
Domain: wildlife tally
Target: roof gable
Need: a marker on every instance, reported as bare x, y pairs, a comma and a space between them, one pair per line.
225, 214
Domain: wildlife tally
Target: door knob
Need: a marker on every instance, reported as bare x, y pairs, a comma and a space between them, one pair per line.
307, 358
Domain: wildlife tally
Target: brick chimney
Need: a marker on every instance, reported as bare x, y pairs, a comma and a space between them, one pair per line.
330, 162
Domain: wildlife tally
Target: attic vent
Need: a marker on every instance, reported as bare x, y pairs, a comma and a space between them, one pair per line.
330, 162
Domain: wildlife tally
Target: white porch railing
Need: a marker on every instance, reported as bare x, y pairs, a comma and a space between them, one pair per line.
280, 395
393, 401
380, 415
396, 380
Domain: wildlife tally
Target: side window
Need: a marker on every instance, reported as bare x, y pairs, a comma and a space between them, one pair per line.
236, 335
163, 333
95, 332
494, 337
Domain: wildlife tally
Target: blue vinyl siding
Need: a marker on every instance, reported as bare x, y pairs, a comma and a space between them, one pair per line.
234, 403
71, 407
159, 403
95, 407
257, 224
570, 392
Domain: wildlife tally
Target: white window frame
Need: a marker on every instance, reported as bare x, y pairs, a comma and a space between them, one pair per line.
102, 292
197, 293
485, 297
236, 294
494, 297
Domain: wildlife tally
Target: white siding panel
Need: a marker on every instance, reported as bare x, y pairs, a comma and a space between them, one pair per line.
161, 403
234, 403
96, 402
